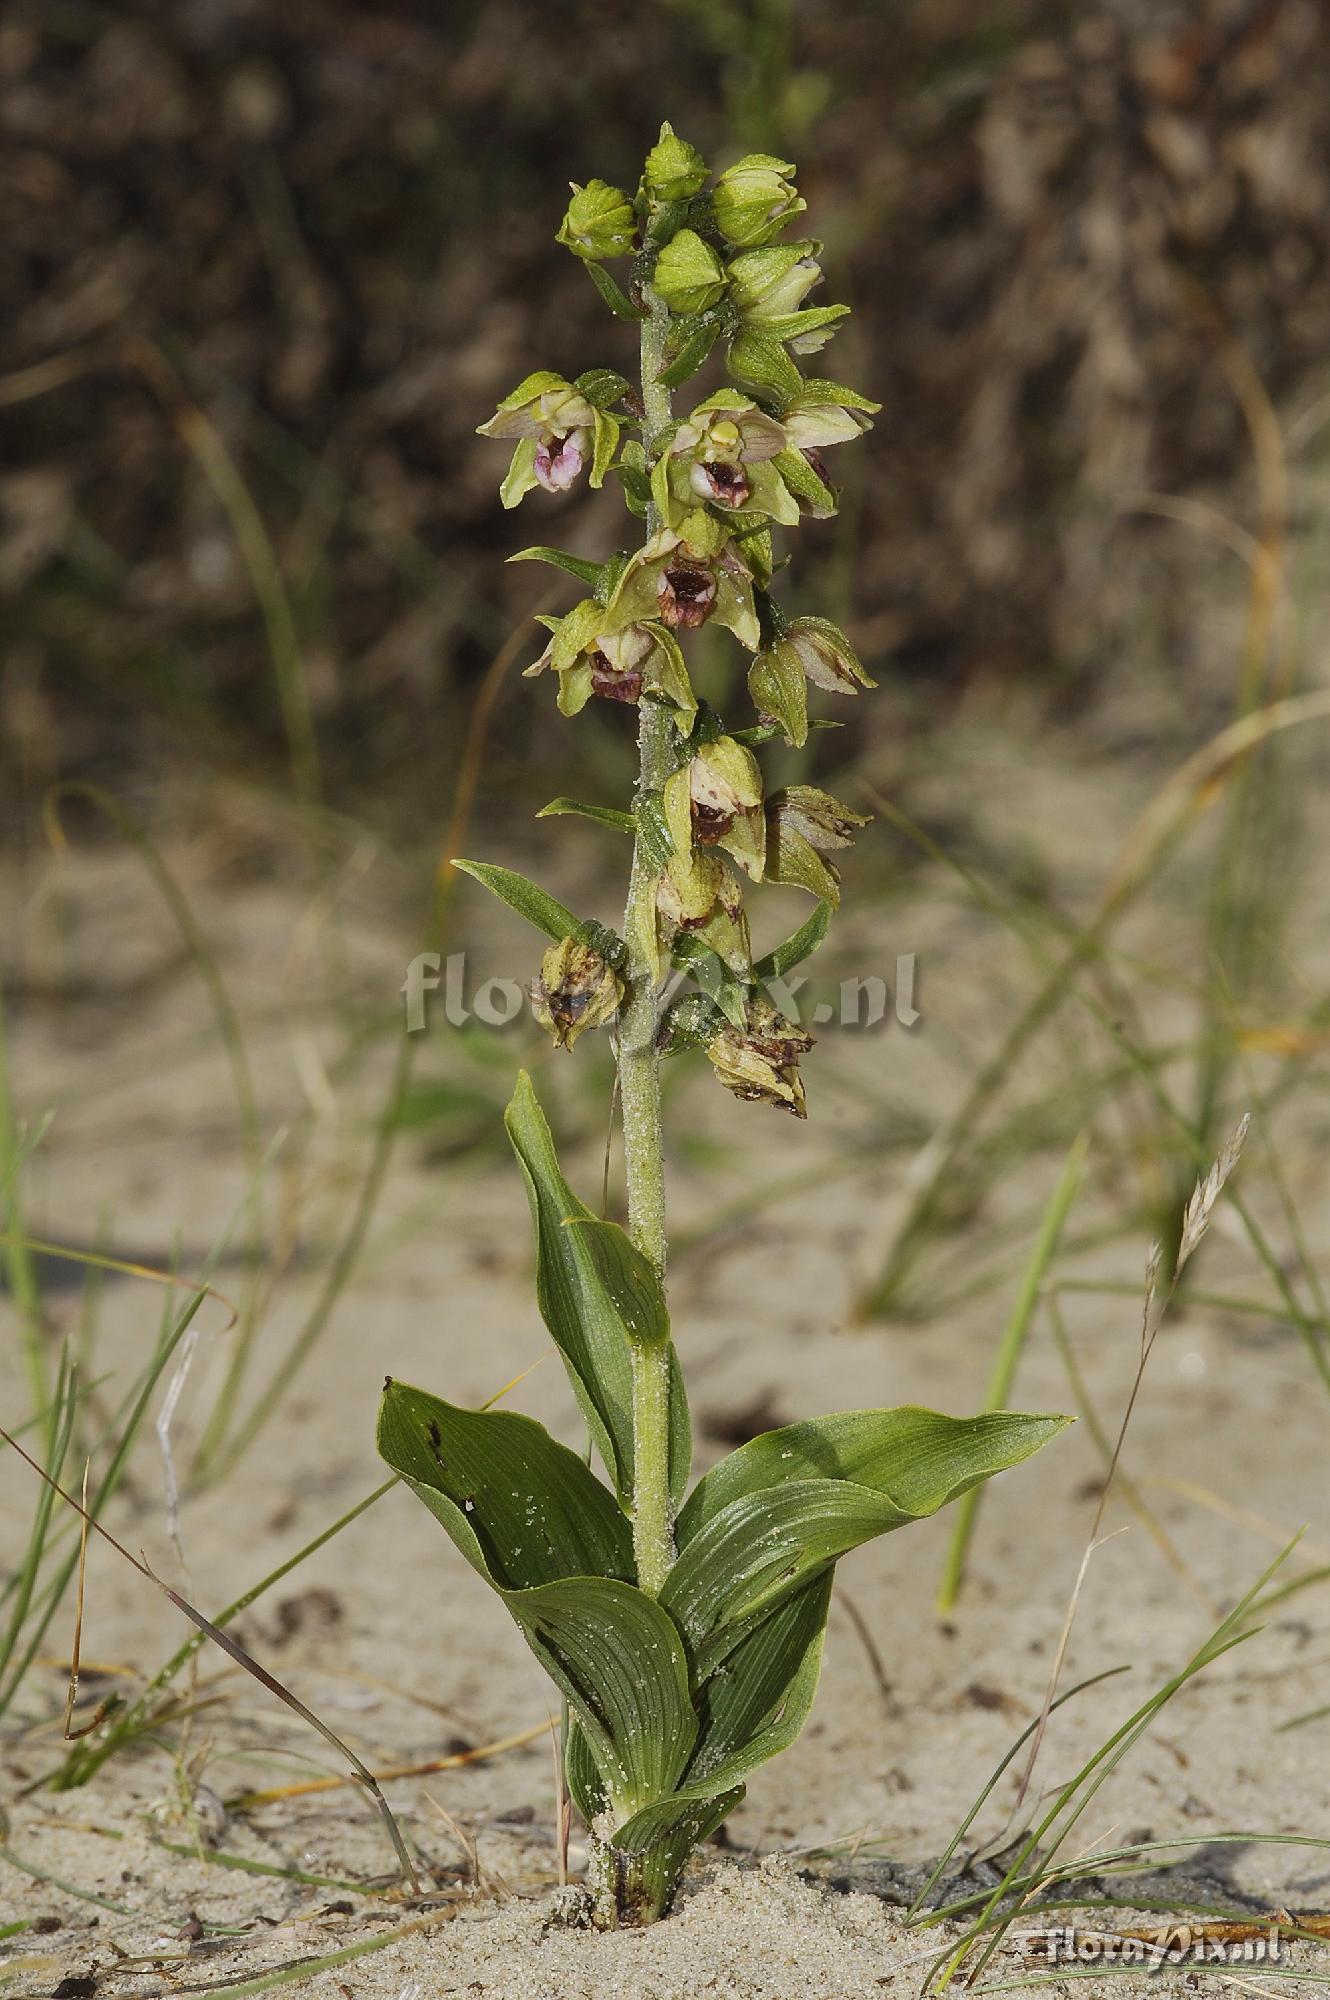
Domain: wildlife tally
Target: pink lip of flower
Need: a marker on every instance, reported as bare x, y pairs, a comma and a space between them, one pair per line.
725, 484
559, 460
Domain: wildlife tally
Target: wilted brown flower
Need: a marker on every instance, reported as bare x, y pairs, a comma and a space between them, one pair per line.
577, 989
761, 1062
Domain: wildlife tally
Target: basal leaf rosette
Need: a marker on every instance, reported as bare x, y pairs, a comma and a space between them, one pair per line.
674, 1700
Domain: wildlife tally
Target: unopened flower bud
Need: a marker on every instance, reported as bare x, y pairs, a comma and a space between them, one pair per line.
577, 989
674, 169
752, 201
765, 284
760, 1063
689, 276
599, 223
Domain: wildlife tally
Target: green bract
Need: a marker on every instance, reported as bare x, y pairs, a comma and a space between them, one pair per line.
683, 1629
753, 200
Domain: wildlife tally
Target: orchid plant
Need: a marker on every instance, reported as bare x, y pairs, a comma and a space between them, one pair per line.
683, 1629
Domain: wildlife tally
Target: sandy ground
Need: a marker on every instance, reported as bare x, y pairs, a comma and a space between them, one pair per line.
391, 1638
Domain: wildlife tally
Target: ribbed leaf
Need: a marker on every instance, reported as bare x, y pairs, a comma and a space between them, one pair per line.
584, 1780
527, 898
758, 1702
919, 1456
539, 1526
645, 1858
579, 1312
781, 1510
633, 1287
618, 1658
522, 1509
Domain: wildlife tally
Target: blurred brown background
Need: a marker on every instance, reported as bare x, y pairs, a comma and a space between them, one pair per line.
265, 268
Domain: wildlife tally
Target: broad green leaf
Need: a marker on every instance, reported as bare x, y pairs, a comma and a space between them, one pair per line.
578, 566
646, 1857
619, 1660
781, 1510
633, 1286
522, 1509
622, 822
579, 1769
918, 1456
529, 901
795, 949
756, 1706
577, 1309
539, 1526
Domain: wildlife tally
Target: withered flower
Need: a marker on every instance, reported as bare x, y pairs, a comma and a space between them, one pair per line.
760, 1063
577, 989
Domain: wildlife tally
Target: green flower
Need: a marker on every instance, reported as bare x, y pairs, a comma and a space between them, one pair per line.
684, 576
807, 649
674, 169
765, 284
577, 989
721, 454
689, 276
592, 654
599, 223
768, 286
554, 425
752, 201
760, 1062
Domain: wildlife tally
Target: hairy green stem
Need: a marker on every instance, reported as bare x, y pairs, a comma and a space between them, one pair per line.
639, 1093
